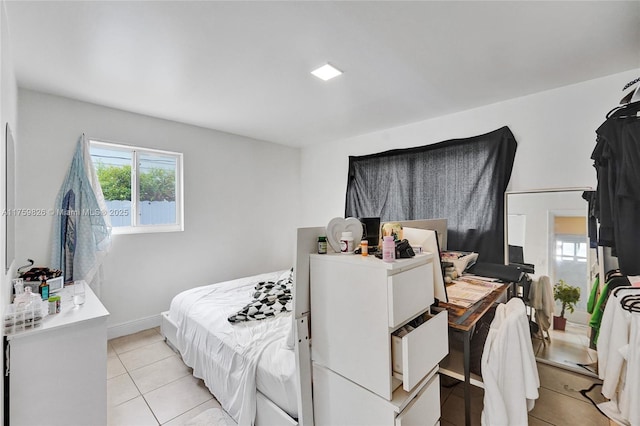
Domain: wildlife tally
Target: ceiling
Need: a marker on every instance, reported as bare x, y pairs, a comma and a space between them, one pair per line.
244, 67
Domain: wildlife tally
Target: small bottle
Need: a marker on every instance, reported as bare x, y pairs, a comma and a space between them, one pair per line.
364, 248
322, 244
388, 249
44, 288
18, 286
346, 243
52, 305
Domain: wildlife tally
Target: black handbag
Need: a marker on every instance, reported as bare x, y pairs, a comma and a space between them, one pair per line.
404, 250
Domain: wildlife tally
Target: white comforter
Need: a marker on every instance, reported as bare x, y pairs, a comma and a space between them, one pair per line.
235, 359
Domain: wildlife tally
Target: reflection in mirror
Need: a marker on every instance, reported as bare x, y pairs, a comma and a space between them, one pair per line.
546, 231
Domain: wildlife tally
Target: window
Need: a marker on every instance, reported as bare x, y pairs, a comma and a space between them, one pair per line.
571, 249
142, 187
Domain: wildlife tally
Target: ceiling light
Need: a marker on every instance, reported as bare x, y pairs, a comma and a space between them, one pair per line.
326, 72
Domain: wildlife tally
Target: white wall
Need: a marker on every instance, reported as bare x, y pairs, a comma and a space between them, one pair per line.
8, 114
241, 203
555, 131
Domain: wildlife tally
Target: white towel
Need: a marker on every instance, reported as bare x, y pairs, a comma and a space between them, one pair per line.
541, 299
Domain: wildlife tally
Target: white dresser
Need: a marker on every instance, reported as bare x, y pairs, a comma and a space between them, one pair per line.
58, 372
359, 376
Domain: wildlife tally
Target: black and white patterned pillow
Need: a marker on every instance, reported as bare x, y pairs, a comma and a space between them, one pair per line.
269, 299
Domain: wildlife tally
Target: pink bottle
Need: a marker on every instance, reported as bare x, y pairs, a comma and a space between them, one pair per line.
388, 249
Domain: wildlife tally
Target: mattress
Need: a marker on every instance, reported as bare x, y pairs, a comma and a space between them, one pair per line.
236, 359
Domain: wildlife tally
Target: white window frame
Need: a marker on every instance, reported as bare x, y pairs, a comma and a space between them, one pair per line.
138, 228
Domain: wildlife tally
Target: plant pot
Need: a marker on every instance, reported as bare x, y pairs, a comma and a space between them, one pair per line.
559, 323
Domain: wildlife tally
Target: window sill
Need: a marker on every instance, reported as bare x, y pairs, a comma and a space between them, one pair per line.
150, 229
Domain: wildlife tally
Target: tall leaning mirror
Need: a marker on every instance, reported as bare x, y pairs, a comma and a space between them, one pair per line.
547, 230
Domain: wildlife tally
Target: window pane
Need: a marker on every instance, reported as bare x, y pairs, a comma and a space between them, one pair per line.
582, 250
113, 167
157, 189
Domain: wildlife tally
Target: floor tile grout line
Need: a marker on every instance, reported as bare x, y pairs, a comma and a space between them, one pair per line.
168, 383
132, 398
154, 414
127, 372
144, 399
109, 342
146, 365
181, 414
150, 409
136, 348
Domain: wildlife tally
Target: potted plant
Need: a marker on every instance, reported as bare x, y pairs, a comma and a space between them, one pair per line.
568, 295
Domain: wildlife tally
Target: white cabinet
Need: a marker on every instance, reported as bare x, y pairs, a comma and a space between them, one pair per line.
362, 373
58, 372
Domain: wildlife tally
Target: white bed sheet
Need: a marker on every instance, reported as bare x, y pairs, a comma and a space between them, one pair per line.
235, 359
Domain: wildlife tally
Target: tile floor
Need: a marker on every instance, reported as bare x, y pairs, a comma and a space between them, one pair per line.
149, 385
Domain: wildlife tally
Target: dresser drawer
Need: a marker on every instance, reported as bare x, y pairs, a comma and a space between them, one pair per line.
418, 352
409, 292
424, 409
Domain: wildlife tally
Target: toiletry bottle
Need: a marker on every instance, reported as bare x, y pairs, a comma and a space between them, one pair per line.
346, 243
44, 288
322, 244
52, 305
388, 249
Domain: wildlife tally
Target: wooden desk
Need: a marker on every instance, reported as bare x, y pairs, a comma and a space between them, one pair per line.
464, 320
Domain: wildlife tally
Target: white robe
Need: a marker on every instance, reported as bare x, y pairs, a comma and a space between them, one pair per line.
619, 362
509, 370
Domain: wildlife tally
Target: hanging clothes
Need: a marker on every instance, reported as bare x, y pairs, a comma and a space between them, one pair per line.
616, 158
619, 359
509, 370
591, 197
81, 231
596, 306
541, 299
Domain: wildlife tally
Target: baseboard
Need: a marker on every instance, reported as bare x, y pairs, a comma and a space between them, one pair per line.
131, 327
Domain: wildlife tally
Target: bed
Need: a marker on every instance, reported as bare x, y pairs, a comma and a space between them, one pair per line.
274, 386
259, 370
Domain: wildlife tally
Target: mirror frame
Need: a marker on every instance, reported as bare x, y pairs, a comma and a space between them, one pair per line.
10, 200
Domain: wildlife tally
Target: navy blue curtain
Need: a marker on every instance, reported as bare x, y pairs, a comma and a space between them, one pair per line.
462, 180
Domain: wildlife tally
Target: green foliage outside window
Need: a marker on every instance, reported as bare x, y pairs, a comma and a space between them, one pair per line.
157, 184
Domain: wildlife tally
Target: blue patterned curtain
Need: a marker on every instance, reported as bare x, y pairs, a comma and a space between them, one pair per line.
81, 230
